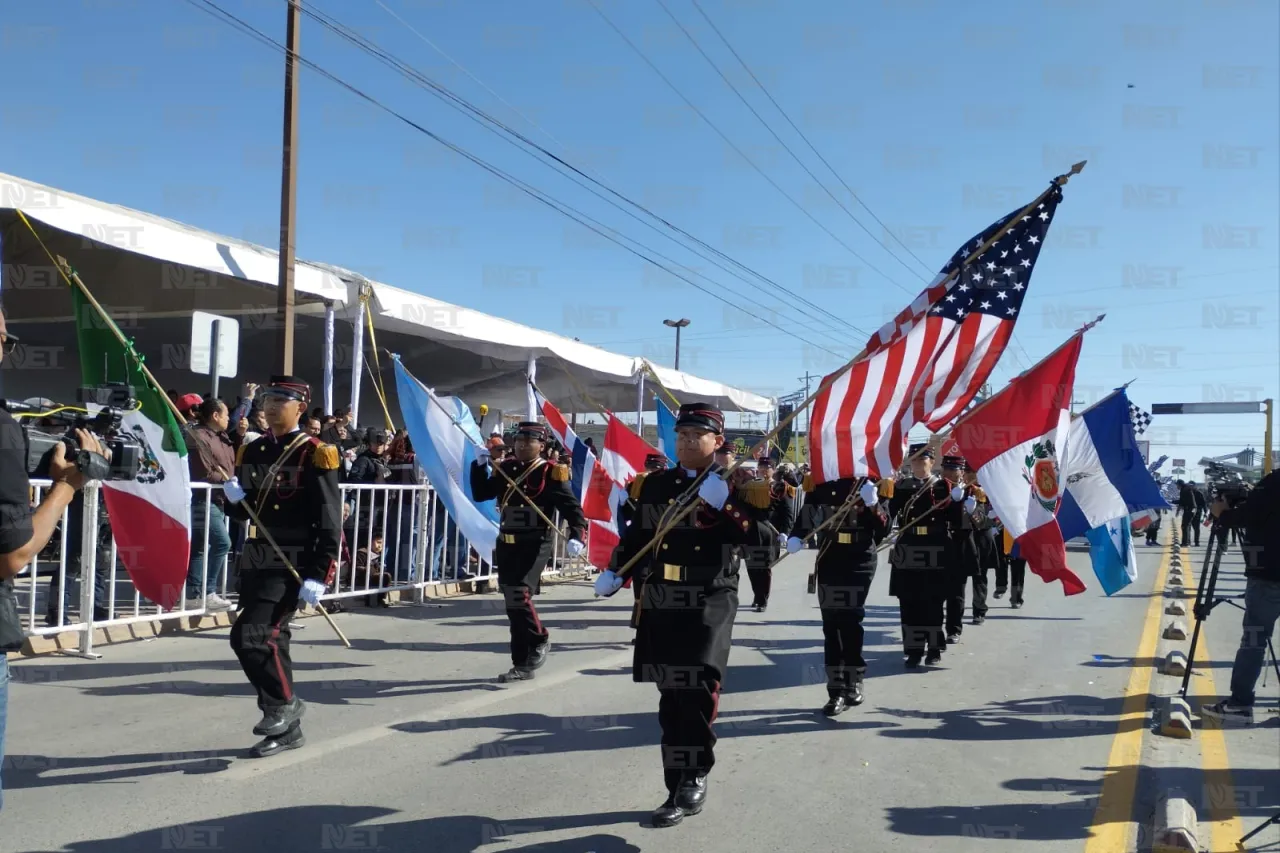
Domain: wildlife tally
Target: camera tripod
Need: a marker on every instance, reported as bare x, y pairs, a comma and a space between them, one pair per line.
1206, 600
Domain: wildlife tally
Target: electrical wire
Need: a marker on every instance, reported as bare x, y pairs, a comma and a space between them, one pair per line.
577, 175
780, 140
583, 219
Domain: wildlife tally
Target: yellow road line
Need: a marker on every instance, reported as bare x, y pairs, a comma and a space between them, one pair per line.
1113, 818
1225, 827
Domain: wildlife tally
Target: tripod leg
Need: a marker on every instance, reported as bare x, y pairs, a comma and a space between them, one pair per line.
1204, 600
1275, 818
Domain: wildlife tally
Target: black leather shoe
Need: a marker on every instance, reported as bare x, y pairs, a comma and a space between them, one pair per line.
836, 706
854, 694
933, 658
279, 719
978, 620
913, 661
691, 794
539, 656
1016, 604
1000, 591
668, 814
515, 674
270, 746
952, 639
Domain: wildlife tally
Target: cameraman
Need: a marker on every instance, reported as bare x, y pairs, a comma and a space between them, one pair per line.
1257, 517
24, 533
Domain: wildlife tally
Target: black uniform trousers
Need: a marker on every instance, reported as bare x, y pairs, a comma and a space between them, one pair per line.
1191, 519
954, 604
260, 636
1018, 569
758, 559
842, 599
520, 566
922, 617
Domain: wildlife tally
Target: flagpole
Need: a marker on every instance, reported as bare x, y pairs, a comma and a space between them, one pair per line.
73, 279
554, 528
678, 517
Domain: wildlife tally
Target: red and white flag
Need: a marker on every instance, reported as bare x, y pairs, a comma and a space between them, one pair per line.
623, 457
590, 483
1015, 441
928, 363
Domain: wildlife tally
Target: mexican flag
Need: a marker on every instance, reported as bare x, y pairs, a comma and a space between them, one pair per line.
150, 516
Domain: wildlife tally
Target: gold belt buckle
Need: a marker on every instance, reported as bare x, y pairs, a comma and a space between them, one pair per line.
252, 533
509, 538
845, 539
672, 573
922, 531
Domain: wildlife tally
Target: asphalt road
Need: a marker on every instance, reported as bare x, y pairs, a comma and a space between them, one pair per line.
413, 747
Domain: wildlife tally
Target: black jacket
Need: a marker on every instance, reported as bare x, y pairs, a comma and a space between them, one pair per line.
1259, 518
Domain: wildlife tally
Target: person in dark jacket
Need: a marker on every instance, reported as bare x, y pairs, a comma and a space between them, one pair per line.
1187, 506
1257, 517
774, 503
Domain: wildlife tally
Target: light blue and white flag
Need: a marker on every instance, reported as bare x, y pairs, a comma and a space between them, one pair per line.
1103, 471
445, 453
666, 432
1111, 550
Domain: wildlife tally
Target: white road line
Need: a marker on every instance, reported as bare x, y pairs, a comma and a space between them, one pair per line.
250, 768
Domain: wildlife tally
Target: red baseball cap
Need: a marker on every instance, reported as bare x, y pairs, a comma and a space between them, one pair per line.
187, 402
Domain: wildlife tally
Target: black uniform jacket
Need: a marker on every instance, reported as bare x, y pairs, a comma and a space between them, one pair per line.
690, 594
292, 484
847, 545
926, 517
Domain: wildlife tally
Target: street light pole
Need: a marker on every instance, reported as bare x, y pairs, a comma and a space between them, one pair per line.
677, 325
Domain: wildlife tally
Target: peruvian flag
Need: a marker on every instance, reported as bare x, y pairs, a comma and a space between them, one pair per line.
624, 454
590, 483
1015, 441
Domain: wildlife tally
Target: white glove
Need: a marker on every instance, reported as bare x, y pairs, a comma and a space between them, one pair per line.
483, 457
311, 592
991, 514
233, 491
574, 548
795, 545
783, 539
870, 496
957, 493
970, 503
714, 490
607, 584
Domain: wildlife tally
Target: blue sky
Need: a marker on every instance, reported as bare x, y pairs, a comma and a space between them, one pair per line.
940, 116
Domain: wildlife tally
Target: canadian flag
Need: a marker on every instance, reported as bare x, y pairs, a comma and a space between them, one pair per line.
1015, 441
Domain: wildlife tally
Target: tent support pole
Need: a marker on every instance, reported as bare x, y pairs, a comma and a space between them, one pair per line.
328, 357
640, 404
532, 370
357, 362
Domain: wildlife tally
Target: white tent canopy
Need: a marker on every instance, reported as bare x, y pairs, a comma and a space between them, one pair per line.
152, 272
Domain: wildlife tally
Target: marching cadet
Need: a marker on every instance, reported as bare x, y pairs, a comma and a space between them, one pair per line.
775, 504
985, 532
846, 565
688, 603
962, 561
525, 540
290, 479
925, 512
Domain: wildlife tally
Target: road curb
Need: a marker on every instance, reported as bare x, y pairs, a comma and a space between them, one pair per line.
1176, 630
1174, 718
1175, 828
1175, 664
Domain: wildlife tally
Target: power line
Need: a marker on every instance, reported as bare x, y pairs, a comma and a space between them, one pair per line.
738, 150
801, 134
489, 122
581, 218
780, 140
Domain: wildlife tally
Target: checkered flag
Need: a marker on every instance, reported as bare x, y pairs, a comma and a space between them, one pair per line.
1141, 420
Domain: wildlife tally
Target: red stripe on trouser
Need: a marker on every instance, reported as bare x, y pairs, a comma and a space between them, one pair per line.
275, 655
715, 701
533, 611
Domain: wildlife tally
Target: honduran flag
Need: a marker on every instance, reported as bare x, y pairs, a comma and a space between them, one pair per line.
1015, 440
589, 482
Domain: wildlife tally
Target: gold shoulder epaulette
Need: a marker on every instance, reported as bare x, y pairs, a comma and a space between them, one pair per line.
757, 494
979, 495
791, 490
561, 473
326, 457
807, 483
886, 488
240, 454
634, 489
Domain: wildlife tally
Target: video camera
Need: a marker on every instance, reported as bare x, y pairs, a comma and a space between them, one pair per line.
1234, 493
44, 427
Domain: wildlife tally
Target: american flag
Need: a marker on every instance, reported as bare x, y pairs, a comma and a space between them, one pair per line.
926, 364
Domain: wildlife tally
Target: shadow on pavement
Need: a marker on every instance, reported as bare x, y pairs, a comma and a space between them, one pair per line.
339, 827
1078, 716
1003, 821
51, 771
343, 691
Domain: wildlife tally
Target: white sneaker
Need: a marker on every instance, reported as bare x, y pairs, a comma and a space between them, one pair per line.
1227, 714
194, 604
214, 603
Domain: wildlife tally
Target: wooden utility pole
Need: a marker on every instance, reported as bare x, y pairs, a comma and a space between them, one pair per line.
288, 197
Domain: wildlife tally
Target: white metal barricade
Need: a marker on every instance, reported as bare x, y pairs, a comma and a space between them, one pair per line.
395, 538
